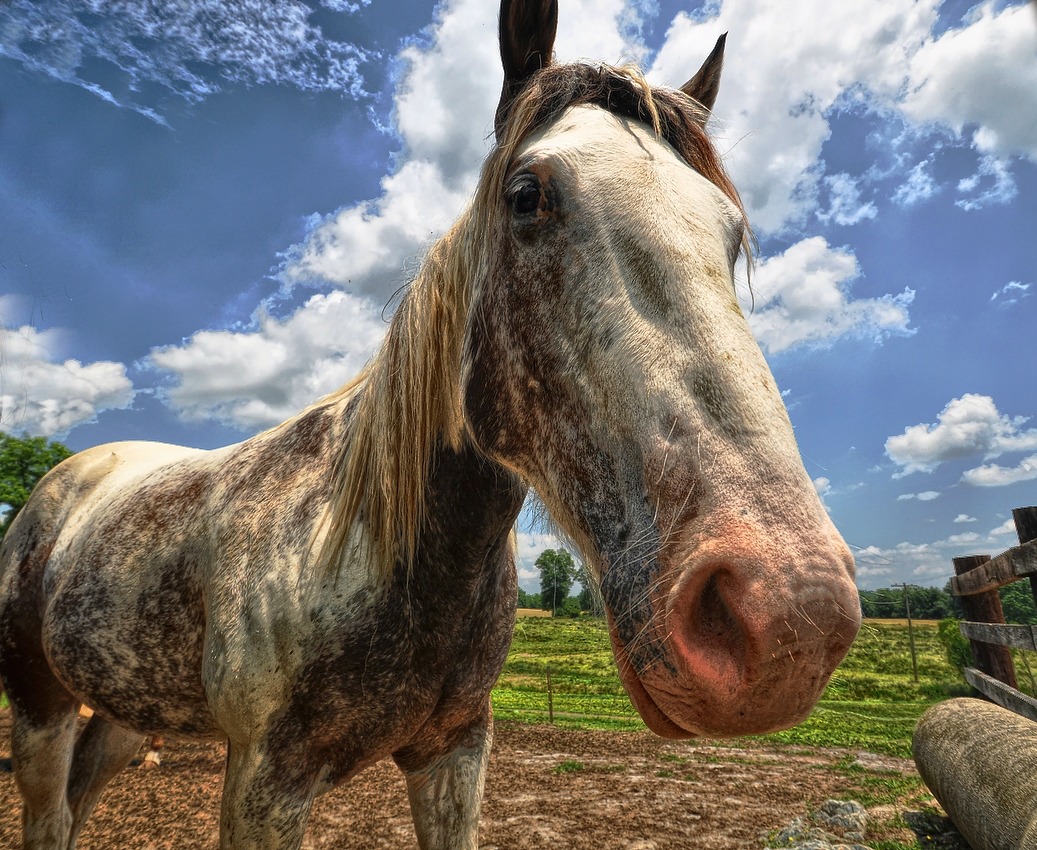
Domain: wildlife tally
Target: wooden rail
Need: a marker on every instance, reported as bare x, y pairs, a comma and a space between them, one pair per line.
979, 758
976, 583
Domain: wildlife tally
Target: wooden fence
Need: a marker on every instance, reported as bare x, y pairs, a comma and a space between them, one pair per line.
978, 758
977, 581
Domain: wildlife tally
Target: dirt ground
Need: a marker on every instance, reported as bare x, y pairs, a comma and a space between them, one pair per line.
547, 787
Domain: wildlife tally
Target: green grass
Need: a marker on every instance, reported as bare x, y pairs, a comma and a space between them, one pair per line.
871, 703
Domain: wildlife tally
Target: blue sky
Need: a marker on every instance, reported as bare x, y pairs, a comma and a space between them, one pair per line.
205, 208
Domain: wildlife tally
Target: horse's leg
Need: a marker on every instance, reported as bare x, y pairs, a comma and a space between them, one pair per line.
103, 749
42, 737
446, 793
266, 801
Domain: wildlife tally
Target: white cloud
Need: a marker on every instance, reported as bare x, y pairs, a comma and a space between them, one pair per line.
164, 45
926, 496
253, 380
930, 561
970, 425
789, 66
367, 247
994, 475
991, 184
1007, 527
918, 187
845, 206
445, 102
530, 544
802, 297
1011, 293
45, 395
790, 70
981, 78
964, 518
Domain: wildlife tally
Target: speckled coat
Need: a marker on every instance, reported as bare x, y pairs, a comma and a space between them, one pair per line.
341, 589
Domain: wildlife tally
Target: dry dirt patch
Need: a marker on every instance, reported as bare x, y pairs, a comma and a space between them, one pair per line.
547, 787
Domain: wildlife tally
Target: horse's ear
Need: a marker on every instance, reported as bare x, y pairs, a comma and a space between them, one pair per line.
527, 37
705, 85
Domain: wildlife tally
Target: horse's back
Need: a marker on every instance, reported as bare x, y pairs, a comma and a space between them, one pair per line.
77, 579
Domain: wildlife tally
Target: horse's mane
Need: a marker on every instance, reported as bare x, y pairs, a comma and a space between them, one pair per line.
407, 400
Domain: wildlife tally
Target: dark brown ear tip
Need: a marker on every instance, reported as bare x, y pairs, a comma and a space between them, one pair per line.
527, 31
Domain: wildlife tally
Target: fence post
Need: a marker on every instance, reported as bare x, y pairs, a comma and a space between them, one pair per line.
550, 700
1026, 528
986, 607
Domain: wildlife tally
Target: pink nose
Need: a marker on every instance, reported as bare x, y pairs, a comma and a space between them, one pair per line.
752, 644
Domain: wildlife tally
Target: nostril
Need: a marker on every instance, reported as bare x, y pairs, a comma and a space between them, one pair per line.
710, 636
712, 615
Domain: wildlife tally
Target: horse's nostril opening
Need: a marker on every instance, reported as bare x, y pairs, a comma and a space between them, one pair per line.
712, 617
713, 637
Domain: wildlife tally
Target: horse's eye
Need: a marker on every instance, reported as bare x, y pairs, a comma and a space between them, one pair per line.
525, 195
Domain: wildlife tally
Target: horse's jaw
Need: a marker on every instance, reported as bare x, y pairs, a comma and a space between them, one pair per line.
724, 645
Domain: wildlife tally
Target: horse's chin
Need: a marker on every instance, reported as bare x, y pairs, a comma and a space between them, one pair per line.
657, 720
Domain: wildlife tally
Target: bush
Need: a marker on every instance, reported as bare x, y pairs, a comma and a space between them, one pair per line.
956, 645
571, 608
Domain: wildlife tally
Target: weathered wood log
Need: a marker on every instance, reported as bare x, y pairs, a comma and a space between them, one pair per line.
980, 760
986, 607
1026, 528
988, 574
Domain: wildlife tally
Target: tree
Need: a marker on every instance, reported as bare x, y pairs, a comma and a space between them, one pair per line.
528, 600
570, 608
1017, 602
23, 462
927, 603
557, 574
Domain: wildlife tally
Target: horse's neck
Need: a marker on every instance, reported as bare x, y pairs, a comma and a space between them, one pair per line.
471, 507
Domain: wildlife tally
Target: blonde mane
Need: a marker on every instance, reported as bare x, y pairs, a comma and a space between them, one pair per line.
407, 401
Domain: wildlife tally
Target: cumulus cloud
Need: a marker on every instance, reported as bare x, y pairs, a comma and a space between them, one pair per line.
789, 68
445, 102
994, 475
45, 395
926, 496
447, 92
257, 379
1007, 527
166, 44
980, 80
931, 562
967, 426
801, 67
845, 205
530, 544
803, 297
447, 88
964, 518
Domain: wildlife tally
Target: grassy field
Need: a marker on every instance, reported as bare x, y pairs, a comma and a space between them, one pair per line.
871, 703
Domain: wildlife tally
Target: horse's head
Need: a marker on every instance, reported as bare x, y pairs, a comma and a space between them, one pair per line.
608, 363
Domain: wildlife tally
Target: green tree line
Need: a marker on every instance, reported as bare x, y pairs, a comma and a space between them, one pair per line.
934, 603
558, 574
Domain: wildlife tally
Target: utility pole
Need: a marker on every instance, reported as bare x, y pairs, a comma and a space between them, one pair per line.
910, 630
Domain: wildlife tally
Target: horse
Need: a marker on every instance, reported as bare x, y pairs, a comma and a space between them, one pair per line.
341, 588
